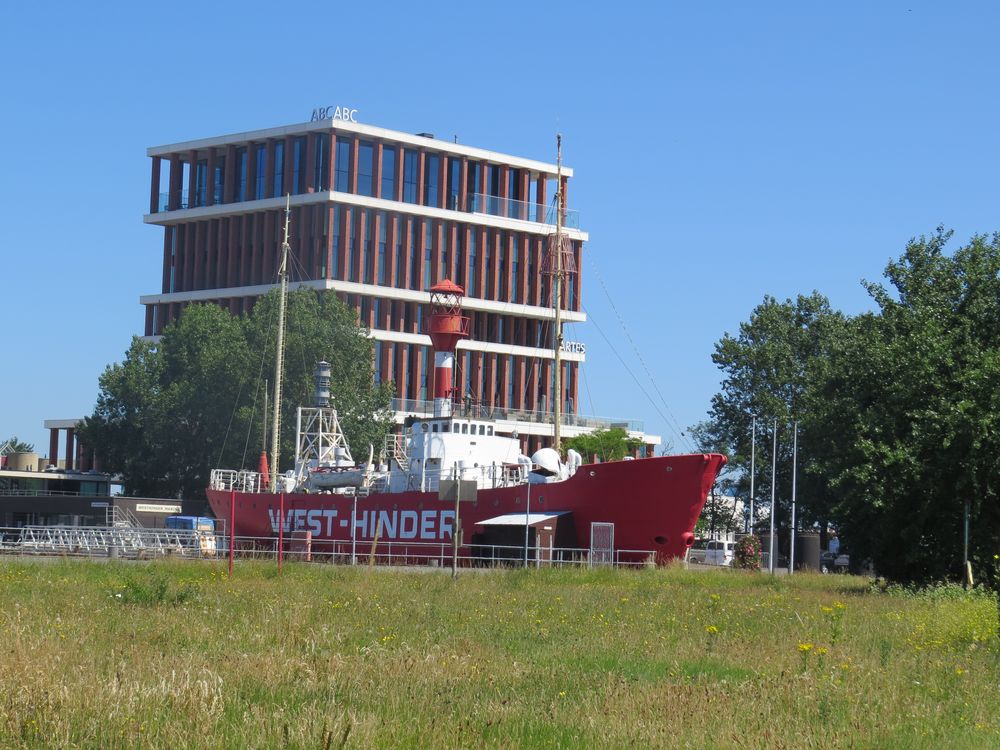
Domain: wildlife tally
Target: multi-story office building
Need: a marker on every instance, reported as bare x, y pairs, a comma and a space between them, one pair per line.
379, 216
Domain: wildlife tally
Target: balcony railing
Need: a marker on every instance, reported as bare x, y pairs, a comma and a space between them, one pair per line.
478, 203
522, 210
484, 411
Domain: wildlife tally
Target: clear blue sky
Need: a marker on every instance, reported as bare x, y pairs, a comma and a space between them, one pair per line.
723, 151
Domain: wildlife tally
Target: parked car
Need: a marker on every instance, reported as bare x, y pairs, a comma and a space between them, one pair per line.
696, 552
719, 553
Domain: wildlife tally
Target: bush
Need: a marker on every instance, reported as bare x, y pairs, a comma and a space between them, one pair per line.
747, 554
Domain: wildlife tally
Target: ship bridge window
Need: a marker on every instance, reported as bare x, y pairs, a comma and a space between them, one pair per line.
465, 429
446, 427
489, 430
434, 427
482, 429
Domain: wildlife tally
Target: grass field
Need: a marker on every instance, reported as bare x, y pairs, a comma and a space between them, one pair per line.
178, 655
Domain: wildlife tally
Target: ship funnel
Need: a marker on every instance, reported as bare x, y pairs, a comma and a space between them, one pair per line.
446, 328
321, 375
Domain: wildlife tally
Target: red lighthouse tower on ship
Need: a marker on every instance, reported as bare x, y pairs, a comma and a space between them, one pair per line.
446, 328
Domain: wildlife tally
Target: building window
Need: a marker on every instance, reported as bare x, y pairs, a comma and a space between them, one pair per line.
410, 167
532, 281
298, 165
279, 169
488, 271
388, 173
219, 180
424, 351
432, 169
335, 271
378, 361
514, 193
321, 165
460, 255
510, 383
454, 182
502, 271
352, 248
428, 253
241, 174
471, 288
342, 167
414, 254
369, 260
200, 182
473, 170
261, 183
515, 268
400, 267
366, 158
382, 229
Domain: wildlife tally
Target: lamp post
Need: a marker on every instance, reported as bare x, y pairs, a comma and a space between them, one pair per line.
774, 472
795, 461
753, 461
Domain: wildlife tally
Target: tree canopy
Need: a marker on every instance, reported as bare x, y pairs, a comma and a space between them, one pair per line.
608, 445
171, 412
898, 409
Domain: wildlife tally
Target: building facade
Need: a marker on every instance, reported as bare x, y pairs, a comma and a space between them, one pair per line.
380, 216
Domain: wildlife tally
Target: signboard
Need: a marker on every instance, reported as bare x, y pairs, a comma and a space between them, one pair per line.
574, 347
344, 114
99, 505
157, 508
448, 490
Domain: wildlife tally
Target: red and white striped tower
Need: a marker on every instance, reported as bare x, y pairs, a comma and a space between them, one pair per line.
447, 326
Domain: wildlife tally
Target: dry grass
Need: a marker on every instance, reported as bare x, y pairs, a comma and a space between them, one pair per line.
177, 655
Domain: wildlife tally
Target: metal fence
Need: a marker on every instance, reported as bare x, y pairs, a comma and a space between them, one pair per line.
147, 544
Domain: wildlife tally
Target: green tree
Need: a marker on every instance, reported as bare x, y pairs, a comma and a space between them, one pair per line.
769, 369
170, 413
608, 445
915, 392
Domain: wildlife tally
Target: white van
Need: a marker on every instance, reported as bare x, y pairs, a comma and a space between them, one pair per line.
719, 553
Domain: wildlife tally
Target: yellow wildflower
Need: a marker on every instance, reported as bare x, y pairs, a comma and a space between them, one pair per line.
711, 629
805, 648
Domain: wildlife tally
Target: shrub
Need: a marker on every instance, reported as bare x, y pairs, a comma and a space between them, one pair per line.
747, 555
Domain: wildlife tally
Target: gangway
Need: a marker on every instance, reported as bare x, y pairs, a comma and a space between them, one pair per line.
125, 541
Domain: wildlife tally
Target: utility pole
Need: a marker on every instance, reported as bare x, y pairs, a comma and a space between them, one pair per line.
753, 457
795, 463
774, 473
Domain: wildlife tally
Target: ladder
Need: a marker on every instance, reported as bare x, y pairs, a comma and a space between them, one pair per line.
103, 540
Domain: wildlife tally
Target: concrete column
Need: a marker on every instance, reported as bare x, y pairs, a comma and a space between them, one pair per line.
331, 162
540, 197
463, 186
192, 177
353, 177
269, 170
377, 169
70, 447
176, 178
210, 178
251, 171
154, 186
421, 166
229, 175
286, 179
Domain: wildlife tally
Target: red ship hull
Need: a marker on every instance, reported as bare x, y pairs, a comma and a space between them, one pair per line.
653, 503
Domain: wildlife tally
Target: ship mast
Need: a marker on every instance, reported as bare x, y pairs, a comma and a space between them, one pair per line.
283, 280
557, 280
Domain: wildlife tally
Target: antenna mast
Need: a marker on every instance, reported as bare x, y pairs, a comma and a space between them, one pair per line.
557, 281
283, 279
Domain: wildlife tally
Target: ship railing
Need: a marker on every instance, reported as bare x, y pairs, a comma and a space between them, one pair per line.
491, 476
230, 479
